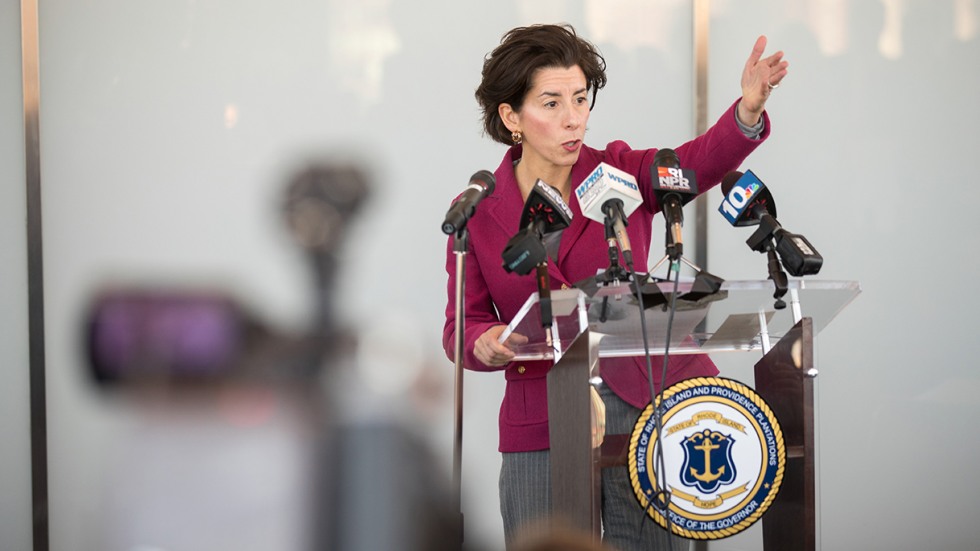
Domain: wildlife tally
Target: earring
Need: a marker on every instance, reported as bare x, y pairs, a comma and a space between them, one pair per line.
517, 137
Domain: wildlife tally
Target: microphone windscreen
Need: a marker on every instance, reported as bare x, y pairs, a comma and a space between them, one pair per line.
746, 199
666, 157
604, 183
545, 205
729, 181
486, 178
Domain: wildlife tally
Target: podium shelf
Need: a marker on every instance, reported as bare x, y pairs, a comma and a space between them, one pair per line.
740, 316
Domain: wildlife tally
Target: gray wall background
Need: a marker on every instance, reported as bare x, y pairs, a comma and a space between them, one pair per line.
169, 129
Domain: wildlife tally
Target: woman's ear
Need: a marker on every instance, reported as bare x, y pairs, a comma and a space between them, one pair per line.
511, 118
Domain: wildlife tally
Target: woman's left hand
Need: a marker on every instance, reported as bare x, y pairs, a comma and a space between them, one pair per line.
759, 78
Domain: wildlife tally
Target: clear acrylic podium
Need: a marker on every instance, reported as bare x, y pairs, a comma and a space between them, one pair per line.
741, 316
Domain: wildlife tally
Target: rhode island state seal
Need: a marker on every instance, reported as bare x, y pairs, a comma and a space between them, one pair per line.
723, 458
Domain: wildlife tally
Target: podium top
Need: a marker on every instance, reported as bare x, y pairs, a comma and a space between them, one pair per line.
741, 316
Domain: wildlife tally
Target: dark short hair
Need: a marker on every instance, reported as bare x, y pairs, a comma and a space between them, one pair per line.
508, 70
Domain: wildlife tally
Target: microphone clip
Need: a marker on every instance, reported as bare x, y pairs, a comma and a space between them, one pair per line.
778, 277
795, 252
616, 272
761, 239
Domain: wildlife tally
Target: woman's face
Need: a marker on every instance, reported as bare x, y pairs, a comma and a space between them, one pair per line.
552, 118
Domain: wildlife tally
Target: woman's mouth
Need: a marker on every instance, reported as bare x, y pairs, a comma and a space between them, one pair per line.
572, 145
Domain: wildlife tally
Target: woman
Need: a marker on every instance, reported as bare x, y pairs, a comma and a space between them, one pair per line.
535, 97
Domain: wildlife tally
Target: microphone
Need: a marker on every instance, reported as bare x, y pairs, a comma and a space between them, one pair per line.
674, 187
747, 199
481, 185
610, 195
544, 212
748, 202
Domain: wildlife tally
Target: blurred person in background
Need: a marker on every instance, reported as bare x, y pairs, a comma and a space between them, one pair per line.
240, 435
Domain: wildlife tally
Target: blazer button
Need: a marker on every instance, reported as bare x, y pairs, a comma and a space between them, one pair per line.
521, 369
564, 286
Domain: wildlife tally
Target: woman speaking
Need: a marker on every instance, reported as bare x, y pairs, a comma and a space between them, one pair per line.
538, 89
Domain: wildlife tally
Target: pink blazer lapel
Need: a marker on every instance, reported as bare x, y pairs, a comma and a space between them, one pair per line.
506, 206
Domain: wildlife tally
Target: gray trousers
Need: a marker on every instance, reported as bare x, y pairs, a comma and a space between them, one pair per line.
525, 492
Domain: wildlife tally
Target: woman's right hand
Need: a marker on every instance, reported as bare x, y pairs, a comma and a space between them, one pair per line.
489, 350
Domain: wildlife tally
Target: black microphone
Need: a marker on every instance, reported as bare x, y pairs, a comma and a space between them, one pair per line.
544, 212
481, 185
749, 202
673, 187
747, 199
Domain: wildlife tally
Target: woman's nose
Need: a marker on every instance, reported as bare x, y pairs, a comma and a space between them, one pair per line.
573, 119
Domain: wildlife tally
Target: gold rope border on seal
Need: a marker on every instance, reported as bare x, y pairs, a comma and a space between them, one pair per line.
780, 454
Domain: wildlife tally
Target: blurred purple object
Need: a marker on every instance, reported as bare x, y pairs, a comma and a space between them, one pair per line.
153, 335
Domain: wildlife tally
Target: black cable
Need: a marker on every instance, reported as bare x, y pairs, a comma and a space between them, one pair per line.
660, 495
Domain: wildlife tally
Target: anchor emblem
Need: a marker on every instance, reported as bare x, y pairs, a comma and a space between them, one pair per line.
708, 461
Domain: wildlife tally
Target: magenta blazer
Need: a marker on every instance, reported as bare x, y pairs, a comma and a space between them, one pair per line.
494, 296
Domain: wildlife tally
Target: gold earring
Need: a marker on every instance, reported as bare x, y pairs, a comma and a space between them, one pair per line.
517, 137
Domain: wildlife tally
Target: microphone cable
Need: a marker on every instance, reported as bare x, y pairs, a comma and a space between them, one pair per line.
661, 496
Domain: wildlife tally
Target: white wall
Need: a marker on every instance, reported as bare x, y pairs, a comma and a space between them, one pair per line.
880, 112
169, 130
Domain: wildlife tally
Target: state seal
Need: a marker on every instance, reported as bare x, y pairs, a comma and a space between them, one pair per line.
723, 458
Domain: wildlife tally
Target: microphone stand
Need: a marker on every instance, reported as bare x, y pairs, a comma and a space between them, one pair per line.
460, 244
683, 259
674, 253
778, 277
762, 240
544, 300
615, 273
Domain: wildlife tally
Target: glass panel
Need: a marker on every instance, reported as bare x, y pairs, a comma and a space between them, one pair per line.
728, 320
